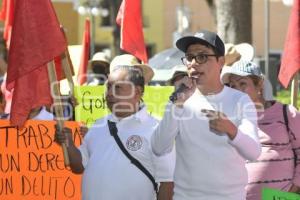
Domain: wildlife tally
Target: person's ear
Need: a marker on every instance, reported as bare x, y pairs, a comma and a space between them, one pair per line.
260, 86
221, 61
138, 92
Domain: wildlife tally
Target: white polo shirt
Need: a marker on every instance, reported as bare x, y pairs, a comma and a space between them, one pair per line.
108, 173
44, 115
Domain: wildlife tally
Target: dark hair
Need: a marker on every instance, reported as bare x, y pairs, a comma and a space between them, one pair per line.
255, 79
135, 75
214, 49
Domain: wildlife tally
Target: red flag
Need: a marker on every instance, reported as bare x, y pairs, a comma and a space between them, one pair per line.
86, 42
3, 10
7, 15
36, 40
58, 67
132, 38
290, 63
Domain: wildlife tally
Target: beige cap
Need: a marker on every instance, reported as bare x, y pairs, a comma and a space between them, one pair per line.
177, 71
130, 60
99, 58
233, 53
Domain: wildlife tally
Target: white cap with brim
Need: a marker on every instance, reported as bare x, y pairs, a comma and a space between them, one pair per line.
130, 60
240, 68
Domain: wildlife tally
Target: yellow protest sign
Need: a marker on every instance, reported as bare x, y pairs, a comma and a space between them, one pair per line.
32, 165
92, 103
156, 98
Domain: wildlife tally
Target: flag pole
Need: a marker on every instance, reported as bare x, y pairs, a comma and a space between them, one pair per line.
67, 64
294, 90
57, 105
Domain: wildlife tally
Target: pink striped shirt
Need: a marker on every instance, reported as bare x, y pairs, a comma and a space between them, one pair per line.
275, 167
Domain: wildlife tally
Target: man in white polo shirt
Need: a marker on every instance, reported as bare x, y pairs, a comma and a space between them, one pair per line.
107, 173
214, 127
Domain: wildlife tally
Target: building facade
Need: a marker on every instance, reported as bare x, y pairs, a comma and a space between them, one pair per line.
160, 23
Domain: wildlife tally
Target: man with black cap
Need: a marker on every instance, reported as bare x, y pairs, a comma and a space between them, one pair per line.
214, 127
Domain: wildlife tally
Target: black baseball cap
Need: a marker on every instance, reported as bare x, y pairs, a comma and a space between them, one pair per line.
202, 37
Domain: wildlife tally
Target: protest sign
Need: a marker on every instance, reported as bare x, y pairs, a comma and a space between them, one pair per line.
273, 194
92, 103
32, 165
156, 98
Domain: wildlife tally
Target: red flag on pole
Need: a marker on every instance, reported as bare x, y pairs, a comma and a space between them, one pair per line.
290, 63
130, 20
36, 40
86, 43
58, 61
7, 15
3, 10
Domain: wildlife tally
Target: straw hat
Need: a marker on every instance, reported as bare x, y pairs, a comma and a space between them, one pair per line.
100, 59
178, 70
233, 53
130, 60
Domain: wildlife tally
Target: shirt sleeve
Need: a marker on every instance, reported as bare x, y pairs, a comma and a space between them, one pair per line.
294, 126
246, 141
163, 138
164, 167
83, 148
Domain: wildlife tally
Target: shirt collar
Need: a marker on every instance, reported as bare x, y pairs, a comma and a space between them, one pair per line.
44, 115
140, 116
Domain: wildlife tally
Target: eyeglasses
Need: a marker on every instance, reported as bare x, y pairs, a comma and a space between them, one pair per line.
200, 58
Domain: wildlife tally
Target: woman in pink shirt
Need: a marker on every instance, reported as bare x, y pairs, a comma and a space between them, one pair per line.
277, 167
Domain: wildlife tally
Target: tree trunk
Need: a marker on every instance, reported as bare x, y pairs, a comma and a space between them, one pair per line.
234, 20
212, 7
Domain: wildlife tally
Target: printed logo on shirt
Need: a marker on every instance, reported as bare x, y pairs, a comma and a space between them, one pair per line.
134, 143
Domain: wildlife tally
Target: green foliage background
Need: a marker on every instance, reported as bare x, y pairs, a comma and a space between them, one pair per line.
284, 96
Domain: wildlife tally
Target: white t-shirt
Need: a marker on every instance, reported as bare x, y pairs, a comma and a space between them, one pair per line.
209, 165
44, 115
108, 173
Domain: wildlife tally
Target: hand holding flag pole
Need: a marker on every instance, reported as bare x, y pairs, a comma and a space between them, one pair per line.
68, 70
58, 107
33, 45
